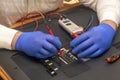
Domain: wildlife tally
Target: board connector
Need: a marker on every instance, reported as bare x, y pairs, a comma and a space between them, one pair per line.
67, 57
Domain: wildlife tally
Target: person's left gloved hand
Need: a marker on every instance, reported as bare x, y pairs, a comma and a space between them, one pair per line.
93, 42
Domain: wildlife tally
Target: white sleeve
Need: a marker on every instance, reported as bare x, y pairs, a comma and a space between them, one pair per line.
106, 9
6, 37
89, 3
43, 5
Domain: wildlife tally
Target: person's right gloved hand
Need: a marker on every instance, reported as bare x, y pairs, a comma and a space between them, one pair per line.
94, 42
38, 44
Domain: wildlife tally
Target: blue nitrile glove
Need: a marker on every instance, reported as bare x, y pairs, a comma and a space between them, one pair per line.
94, 42
38, 44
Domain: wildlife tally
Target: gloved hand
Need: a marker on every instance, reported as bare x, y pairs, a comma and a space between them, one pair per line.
93, 42
38, 44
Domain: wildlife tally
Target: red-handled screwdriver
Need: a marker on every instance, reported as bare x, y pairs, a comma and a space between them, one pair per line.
113, 58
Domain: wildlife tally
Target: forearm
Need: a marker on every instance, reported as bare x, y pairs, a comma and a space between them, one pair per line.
6, 37
15, 39
111, 23
108, 10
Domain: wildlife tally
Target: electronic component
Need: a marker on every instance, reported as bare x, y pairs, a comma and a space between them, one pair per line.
113, 58
70, 27
67, 57
50, 66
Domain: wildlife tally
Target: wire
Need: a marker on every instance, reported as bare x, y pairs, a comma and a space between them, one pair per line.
50, 30
35, 29
51, 14
58, 14
28, 15
89, 23
51, 33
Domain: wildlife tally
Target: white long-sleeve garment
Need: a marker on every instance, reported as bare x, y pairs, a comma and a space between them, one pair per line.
106, 10
12, 10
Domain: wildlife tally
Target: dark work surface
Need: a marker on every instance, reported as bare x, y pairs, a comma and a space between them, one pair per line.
1, 78
22, 67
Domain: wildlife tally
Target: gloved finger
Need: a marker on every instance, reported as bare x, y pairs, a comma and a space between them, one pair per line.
88, 51
44, 52
40, 56
55, 41
95, 54
79, 39
50, 47
84, 45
